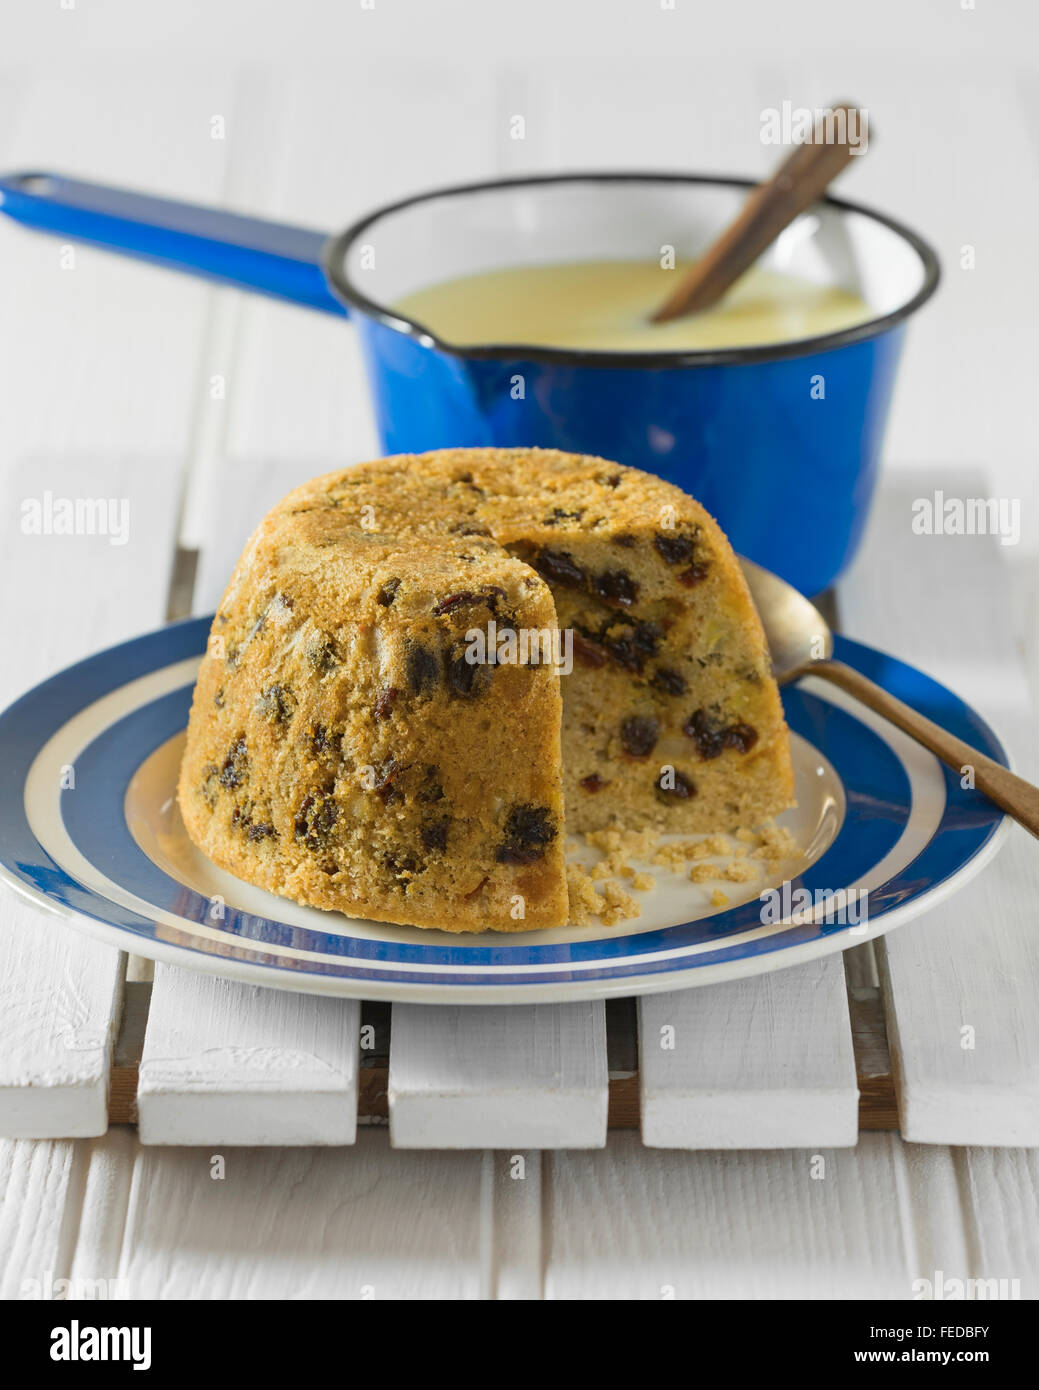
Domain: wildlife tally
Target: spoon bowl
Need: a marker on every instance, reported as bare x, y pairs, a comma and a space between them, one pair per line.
797, 632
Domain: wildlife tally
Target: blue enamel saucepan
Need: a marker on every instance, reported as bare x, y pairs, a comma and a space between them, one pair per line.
781, 443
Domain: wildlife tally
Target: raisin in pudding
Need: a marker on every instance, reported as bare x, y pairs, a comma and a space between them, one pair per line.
349, 746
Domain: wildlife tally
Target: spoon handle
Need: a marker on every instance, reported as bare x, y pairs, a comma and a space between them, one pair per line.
1010, 792
800, 181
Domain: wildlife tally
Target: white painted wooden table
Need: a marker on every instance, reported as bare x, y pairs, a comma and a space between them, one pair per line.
496, 1177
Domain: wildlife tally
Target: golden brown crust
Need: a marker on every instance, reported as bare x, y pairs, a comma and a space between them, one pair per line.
342, 751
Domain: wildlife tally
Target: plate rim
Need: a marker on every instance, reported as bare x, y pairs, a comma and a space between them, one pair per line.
663, 982
302, 980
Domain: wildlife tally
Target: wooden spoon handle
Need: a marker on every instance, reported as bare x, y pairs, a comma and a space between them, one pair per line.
797, 183
1010, 792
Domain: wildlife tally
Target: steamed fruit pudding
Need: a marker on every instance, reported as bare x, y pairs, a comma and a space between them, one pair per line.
355, 745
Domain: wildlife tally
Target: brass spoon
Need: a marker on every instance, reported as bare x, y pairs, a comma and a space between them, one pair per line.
801, 644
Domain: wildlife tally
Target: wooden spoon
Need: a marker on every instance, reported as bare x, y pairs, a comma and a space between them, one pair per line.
798, 182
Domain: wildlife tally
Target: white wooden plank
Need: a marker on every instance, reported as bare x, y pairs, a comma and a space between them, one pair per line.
926, 1192
62, 1213
960, 984
101, 354
59, 991
79, 593
225, 1063
472, 31
883, 1221
239, 493
39, 1196
364, 1223
763, 1063
100, 1209
1000, 1190
514, 1225
683, 111
525, 1077
59, 1001
636, 1223
956, 195
256, 125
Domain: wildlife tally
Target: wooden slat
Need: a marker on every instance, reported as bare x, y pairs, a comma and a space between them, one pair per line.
77, 594
972, 963
99, 1208
39, 1183
761, 1063
245, 490
225, 1063
515, 1259
301, 1224
298, 390
496, 1077
103, 358
372, 1222
62, 1212
951, 407
59, 1000
1000, 1193
878, 1106
748, 1225
688, 112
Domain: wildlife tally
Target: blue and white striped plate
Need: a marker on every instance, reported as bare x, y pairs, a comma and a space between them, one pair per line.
89, 828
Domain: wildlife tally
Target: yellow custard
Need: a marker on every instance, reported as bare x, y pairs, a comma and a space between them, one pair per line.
605, 306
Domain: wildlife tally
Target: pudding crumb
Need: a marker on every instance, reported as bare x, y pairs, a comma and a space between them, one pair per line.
775, 843
740, 871
620, 905
595, 890
585, 902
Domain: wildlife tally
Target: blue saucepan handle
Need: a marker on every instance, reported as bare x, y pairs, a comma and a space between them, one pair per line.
270, 257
